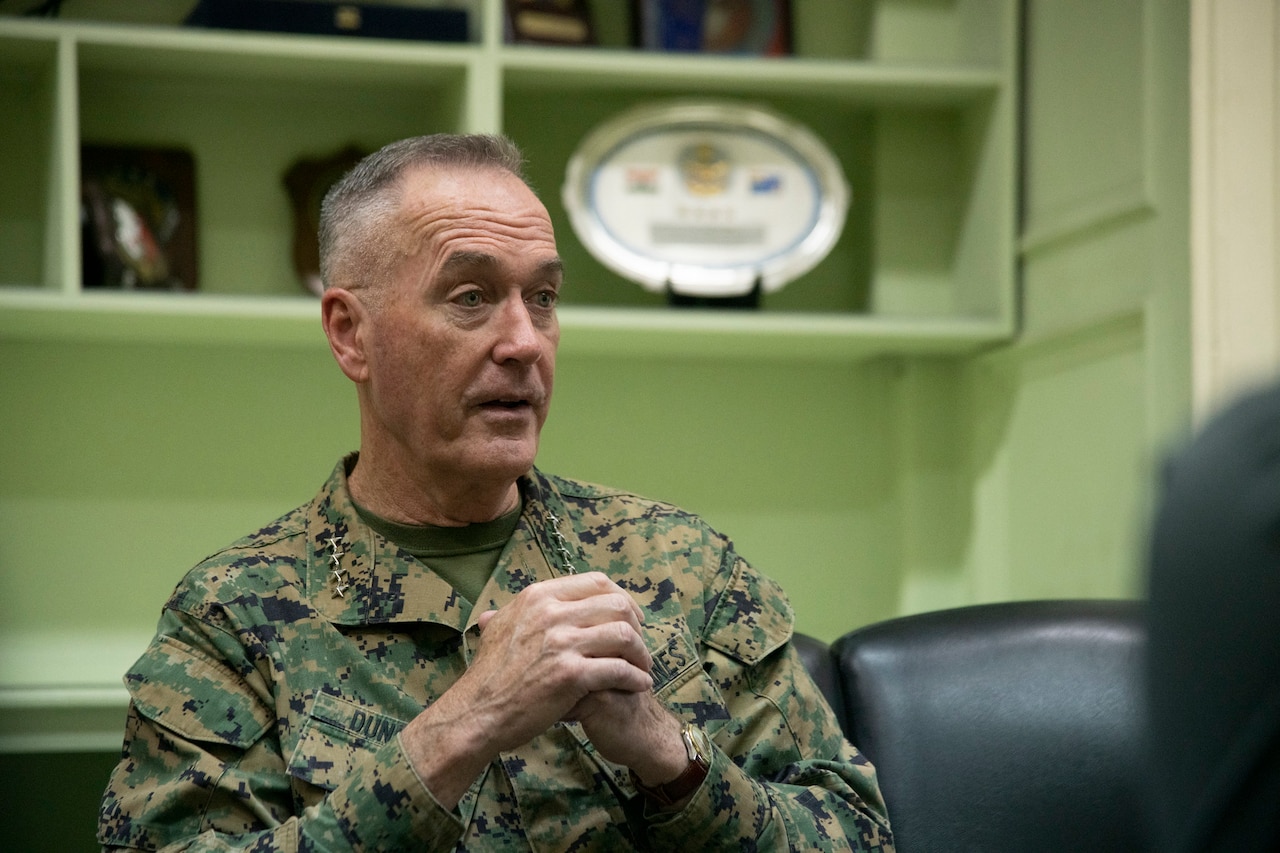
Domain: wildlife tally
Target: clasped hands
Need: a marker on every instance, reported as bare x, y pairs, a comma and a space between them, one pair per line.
566, 649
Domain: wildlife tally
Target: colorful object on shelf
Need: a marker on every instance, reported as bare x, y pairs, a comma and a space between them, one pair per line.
138, 218
551, 22
706, 199
748, 27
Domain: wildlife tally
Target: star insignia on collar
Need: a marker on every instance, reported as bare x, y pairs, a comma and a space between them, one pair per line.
560, 546
341, 577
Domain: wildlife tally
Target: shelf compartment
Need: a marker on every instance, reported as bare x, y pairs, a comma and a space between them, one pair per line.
247, 117
29, 135
928, 235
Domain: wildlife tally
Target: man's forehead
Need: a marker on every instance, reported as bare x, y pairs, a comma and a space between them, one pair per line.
439, 182
434, 198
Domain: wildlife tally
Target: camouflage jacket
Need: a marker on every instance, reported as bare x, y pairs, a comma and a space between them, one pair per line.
265, 713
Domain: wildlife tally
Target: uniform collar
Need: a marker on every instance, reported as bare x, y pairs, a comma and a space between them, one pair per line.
381, 584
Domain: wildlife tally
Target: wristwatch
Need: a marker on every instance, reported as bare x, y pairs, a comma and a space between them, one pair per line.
698, 747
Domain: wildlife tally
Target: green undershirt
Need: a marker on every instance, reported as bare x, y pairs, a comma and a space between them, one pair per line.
463, 556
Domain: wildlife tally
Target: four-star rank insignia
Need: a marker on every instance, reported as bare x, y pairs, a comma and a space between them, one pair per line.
340, 576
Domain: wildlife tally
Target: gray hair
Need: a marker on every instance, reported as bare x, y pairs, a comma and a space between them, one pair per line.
358, 245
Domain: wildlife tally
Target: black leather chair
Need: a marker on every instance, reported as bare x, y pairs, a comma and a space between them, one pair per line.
1003, 727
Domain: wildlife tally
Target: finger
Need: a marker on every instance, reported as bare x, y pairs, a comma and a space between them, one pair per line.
613, 640
588, 585
609, 673
595, 602
593, 704
605, 608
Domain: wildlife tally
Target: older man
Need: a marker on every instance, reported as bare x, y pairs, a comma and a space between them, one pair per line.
447, 648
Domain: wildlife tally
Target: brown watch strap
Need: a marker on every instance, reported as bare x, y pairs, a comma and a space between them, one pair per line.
670, 793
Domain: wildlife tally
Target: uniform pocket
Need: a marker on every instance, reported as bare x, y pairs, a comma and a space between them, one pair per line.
678, 677
200, 698
752, 618
336, 735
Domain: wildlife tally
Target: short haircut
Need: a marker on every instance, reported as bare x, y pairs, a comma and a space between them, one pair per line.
358, 244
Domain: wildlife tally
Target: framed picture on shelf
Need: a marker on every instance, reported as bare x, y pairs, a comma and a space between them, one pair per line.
306, 183
138, 218
742, 27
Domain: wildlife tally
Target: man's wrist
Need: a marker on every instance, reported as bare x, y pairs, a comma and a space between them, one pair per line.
665, 756
698, 755
446, 756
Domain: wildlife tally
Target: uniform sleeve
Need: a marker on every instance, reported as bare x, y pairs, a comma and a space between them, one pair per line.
784, 777
202, 767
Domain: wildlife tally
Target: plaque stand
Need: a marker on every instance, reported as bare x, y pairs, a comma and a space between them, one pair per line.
749, 300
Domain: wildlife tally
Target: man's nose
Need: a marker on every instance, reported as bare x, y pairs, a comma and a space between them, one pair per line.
518, 338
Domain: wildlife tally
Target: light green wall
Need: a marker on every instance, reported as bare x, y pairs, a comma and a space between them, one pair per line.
793, 461
1060, 468
1069, 425
126, 463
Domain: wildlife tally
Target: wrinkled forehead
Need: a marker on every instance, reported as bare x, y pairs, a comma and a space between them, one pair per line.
478, 218
431, 187
482, 203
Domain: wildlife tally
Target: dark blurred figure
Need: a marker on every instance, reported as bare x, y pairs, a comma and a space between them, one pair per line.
1214, 667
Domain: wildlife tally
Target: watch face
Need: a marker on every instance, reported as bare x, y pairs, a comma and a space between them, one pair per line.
698, 744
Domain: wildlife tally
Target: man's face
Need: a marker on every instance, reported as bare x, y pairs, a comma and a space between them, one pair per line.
462, 348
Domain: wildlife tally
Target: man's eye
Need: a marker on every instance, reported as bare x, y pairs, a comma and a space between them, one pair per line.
470, 299
546, 299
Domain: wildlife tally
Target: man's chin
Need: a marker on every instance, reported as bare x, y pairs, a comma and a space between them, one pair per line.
505, 459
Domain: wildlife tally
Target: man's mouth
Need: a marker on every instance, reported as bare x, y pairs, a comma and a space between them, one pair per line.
506, 403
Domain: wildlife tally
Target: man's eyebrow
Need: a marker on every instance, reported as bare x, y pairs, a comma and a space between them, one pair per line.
462, 260
552, 268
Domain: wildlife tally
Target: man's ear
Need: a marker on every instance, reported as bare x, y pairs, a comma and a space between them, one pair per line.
344, 318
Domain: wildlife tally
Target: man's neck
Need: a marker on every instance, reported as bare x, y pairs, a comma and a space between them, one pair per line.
444, 501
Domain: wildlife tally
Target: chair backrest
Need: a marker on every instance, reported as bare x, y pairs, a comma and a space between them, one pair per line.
1003, 727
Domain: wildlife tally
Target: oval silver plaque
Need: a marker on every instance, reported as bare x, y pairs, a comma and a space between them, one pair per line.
706, 199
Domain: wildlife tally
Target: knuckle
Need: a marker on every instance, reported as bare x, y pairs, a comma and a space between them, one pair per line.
557, 638
622, 633
620, 604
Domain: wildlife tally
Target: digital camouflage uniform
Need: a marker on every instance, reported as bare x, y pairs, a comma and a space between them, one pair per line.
265, 712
